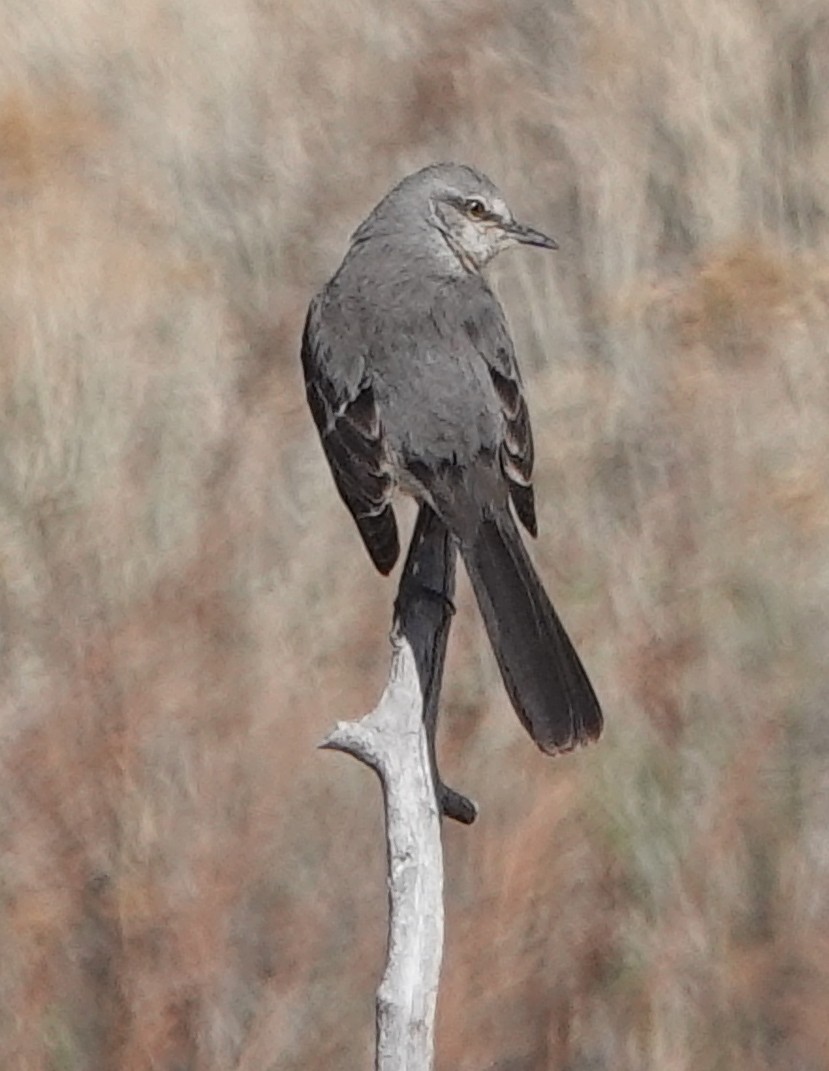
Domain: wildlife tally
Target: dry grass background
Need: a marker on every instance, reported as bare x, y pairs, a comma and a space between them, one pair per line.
184, 882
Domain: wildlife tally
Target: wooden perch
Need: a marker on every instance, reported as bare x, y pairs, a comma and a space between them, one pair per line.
397, 740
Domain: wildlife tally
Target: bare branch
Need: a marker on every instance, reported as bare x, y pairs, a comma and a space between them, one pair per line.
397, 740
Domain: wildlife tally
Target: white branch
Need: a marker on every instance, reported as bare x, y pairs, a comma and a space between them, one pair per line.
397, 741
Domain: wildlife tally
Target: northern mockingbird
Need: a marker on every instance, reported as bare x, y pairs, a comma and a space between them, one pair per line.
413, 383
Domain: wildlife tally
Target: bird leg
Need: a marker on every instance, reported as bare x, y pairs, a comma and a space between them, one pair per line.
424, 610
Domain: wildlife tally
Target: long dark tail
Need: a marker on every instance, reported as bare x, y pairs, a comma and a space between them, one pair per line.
542, 672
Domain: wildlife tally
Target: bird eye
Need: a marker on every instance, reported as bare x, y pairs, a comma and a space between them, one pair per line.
475, 208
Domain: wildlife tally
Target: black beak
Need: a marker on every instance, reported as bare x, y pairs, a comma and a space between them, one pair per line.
530, 236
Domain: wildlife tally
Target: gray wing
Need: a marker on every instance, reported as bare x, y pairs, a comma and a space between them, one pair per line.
341, 397
488, 332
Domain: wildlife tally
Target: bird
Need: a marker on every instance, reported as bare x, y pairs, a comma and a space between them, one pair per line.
413, 383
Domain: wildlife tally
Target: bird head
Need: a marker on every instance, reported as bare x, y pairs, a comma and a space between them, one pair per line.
450, 208
476, 221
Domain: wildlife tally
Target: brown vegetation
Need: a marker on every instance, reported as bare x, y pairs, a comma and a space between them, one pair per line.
184, 881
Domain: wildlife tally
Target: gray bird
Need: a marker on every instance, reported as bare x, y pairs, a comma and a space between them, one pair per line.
412, 380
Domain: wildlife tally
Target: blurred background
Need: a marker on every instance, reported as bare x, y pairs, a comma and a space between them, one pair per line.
185, 882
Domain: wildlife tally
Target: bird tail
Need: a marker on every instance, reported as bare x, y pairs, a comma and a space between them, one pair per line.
542, 672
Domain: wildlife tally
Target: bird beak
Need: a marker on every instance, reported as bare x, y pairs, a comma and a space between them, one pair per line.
520, 232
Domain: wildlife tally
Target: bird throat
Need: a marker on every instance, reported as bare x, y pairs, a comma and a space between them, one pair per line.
462, 255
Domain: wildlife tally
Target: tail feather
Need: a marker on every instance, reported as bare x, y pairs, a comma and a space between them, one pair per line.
542, 672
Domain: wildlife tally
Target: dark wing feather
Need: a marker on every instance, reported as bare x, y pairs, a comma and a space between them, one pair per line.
517, 452
345, 411
489, 334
